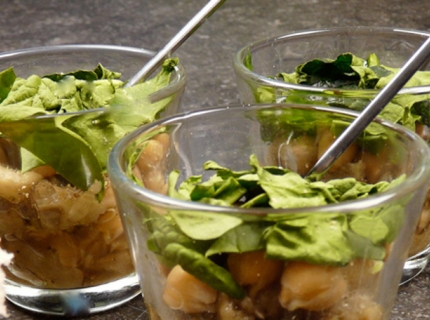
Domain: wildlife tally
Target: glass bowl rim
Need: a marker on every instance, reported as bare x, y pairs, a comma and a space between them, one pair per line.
174, 86
262, 80
117, 173
73, 47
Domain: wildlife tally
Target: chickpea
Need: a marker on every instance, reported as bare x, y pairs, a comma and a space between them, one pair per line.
311, 287
45, 171
423, 131
151, 155
155, 180
150, 163
325, 140
374, 167
137, 174
297, 154
14, 184
185, 292
164, 140
254, 270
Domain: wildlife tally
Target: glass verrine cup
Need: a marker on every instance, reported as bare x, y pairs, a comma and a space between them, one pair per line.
258, 67
206, 260
58, 215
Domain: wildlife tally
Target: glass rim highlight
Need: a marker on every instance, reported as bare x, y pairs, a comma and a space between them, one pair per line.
117, 172
348, 31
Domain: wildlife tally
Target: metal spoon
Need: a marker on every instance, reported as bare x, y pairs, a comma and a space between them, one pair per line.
372, 110
175, 42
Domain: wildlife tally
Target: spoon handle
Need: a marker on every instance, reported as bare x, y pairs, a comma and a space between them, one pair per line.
372, 110
175, 42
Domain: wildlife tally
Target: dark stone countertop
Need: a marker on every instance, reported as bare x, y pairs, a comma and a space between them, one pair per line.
207, 57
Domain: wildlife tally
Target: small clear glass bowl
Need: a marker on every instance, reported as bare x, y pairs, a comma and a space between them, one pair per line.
284, 53
84, 265
186, 252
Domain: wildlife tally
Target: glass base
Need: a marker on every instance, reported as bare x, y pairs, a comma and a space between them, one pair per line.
73, 302
415, 265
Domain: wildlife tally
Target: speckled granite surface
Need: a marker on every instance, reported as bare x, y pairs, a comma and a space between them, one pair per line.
207, 57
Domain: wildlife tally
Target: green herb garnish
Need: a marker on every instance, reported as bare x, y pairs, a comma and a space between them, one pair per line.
196, 240
350, 72
76, 145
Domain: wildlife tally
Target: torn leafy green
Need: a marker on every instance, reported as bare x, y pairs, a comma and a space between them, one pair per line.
353, 73
85, 113
197, 240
